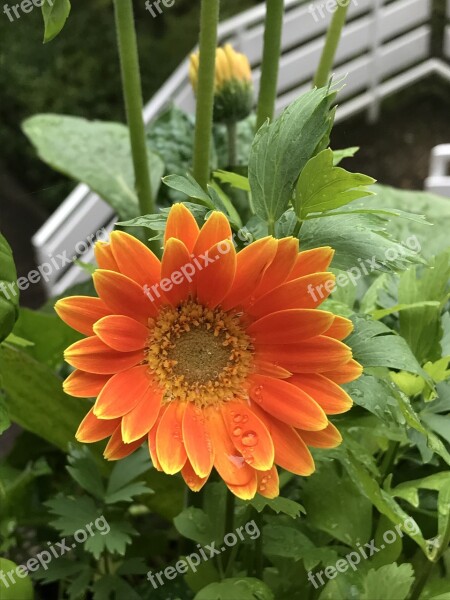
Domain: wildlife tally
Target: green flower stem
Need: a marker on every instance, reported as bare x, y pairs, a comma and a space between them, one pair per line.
271, 60
331, 43
132, 90
205, 91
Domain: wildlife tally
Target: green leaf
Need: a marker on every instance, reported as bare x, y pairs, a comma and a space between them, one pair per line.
421, 325
349, 517
55, 13
22, 588
339, 155
361, 242
246, 588
286, 542
194, 524
94, 152
36, 400
84, 470
111, 586
385, 312
322, 187
9, 293
187, 185
390, 582
122, 485
72, 513
279, 505
115, 541
375, 345
281, 149
237, 181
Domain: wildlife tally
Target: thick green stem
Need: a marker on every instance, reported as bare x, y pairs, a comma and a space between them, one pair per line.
331, 43
271, 61
132, 91
205, 90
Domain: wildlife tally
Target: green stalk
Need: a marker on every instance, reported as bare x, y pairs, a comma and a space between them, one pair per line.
232, 144
331, 43
270, 61
205, 91
132, 91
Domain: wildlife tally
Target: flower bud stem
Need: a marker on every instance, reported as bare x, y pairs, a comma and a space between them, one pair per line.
132, 91
205, 93
331, 44
270, 61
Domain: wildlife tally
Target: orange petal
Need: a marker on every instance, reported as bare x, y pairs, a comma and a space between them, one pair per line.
116, 449
93, 356
268, 483
140, 420
174, 283
314, 355
123, 296
304, 292
192, 480
230, 465
214, 281
249, 434
197, 440
84, 385
216, 229
327, 438
248, 490
134, 259
81, 312
282, 264
291, 452
93, 429
340, 329
169, 438
287, 403
104, 257
122, 333
251, 264
312, 261
333, 399
263, 367
123, 392
288, 326
152, 439
345, 373
181, 225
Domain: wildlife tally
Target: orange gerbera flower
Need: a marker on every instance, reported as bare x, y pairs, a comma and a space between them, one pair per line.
218, 359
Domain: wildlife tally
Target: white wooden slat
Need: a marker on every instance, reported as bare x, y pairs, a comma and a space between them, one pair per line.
299, 65
398, 54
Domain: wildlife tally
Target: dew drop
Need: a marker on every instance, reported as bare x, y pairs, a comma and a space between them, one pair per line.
237, 431
245, 419
238, 418
249, 438
258, 391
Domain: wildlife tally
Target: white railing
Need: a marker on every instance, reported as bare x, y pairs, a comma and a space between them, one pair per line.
383, 49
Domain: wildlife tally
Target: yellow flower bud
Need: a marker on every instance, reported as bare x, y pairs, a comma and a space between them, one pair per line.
233, 88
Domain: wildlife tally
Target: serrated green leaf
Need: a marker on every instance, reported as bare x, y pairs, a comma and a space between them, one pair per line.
115, 541
322, 187
111, 586
339, 155
237, 181
55, 13
390, 582
122, 485
194, 524
84, 470
281, 149
99, 154
72, 513
279, 505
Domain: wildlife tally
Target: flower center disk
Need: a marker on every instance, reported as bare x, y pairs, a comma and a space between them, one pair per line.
199, 354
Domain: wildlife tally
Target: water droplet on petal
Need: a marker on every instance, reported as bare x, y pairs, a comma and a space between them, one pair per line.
237, 418
237, 431
249, 438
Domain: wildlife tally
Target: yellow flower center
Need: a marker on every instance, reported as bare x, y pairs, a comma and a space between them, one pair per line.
199, 354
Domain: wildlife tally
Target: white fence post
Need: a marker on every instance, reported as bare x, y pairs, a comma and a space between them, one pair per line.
374, 108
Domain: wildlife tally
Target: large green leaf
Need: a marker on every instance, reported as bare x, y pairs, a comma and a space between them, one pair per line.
244, 588
9, 293
322, 186
281, 149
35, 398
94, 152
55, 13
390, 582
